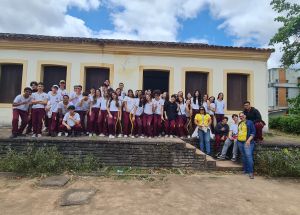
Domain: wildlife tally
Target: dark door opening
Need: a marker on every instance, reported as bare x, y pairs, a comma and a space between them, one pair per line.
156, 80
196, 81
237, 90
52, 75
95, 76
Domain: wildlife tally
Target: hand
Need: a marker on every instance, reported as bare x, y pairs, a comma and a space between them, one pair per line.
110, 116
166, 118
133, 118
90, 113
68, 127
162, 118
248, 143
70, 117
222, 129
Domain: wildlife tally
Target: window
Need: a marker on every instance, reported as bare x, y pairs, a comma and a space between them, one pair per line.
52, 74
237, 85
10, 81
196, 81
95, 76
156, 80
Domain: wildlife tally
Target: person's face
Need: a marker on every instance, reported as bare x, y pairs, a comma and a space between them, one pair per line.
65, 99
205, 97
180, 99
62, 84
211, 99
242, 116
40, 87
121, 86
180, 93
224, 121
247, 106
172, 99
92, 91
27, 93
156, 96
164, 95
114, 95
221, 96
72, 112
235, 118
34, 86
106, 82
188, 101
147, 97
85, 98
196, 93
79, 89
201, 111
140, 93
53, 89
130, 93
118, 91
98, 93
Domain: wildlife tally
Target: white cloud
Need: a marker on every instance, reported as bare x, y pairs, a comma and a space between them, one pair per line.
197, 40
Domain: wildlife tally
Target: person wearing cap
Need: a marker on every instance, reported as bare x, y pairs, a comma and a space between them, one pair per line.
52, 109
21, 106
70, 123
82, 107
203, 121
62, 88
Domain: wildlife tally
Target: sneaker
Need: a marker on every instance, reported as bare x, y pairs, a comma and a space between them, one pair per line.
59, 134
251, 176
111, 136
166, 136
132, 136
171, 136
45, 129
125, 136
220, 157
189, 136
34, 135
149, 137
39, 135
66, 134
101, 135
142, 137
13, 136
159, 136
120, 135
90, 134
233, 159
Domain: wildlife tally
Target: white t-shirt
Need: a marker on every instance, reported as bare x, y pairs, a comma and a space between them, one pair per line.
158, 104
53, 101
182, 109
70, 122
20, 98
148, 108
139, 110
220, 105
195, 106
74, 98
97, 104
205, 106
103, 103
234, 129
187, 113
64, 108
113, 106
39, 97
84, 107
211, 106
62, 92
130, 103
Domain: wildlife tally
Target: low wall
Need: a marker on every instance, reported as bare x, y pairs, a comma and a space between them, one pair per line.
118, 152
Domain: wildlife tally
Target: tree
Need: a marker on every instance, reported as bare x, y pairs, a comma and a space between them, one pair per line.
289, 34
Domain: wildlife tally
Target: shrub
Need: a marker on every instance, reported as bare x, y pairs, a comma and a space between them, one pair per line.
278, 163
289, 123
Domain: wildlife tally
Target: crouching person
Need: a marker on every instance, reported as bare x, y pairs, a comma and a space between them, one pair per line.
71, 123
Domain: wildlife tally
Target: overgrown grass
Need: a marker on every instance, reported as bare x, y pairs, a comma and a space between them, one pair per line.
282, 163
289, 123
45, 160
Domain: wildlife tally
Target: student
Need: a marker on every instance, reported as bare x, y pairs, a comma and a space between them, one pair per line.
203, 121
189, 96
92, 93
123, 92
220, 106
165, 96
114, 114
52, 109
221, 133
232, 138
33, 86
211, 111
196, 103
138, 115
39, 101
181, 118
254, 115
170, 112
63, 108
21, 106
205, 103
70, 123
188, 113
74, 94
102, 118
148, 116
246, 144
82, 107
128, 113
62, 88
158, 113
94, 113
179, 94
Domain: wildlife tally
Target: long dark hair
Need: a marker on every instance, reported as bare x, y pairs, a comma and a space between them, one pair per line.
111, 98
199, 98
95, 96
145, 99
220, 95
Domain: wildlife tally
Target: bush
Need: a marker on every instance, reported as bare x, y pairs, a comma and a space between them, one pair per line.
278, 163
45, 160
289, 123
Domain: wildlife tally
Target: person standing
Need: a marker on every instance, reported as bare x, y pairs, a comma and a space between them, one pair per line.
148, 116
254, 115
211, 112
158, 113
39, 102
220, 107
102, 118
33, 86
170, 112
138, 115
114, 114
94, 113
52, 110
196, 103
62, 88
181, 118
246, 144
21, 106
221, 134
128, 113
82, 107
203, 121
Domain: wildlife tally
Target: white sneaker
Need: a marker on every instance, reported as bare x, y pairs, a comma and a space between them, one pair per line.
90, 134
45, 129
101, 135
59, 134
132, 136
171, 136
66, 134
149, 137
34, 135
120, 135
125, 136
159, 136
189, 136
111, 136
39, 135
142, 137
166, 136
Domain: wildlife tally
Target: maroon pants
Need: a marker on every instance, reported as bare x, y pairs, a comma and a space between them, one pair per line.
76, 128
218, 140
92, 120
259, 127
147, 124
102, 122
180, 125
170, 126
82, 115
138, 125
15, 121
112, 123
219, 117
38, 114
156, 124
127, 124
195, 111
212, 126
52, 123
29, 124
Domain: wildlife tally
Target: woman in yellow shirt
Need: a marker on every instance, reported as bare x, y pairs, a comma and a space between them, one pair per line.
203, 121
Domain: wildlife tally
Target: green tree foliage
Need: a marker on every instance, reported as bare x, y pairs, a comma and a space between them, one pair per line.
289, 34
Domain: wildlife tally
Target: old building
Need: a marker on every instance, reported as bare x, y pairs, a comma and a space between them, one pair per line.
239, 72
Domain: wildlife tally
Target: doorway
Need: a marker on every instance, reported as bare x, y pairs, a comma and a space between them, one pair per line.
156, 80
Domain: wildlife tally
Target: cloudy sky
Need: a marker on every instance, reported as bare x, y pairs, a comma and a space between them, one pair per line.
219, 22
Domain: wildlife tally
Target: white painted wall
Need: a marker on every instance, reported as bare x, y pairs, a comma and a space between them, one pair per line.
127, 68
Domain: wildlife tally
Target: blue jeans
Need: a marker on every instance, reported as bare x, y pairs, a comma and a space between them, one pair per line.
227, 144
204, 140
247, 156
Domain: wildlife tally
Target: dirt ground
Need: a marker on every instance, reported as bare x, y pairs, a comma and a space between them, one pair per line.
201, 193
